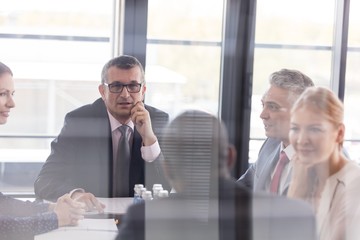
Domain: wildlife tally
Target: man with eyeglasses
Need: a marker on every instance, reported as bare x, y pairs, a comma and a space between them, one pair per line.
83, 159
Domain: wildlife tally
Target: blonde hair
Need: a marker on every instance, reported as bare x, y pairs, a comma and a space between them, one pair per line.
5, 69
322, 100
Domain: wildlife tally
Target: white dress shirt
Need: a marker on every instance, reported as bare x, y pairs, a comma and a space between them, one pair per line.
148, 153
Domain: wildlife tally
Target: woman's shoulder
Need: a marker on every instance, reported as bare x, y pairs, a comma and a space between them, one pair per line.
350, 177
352, 171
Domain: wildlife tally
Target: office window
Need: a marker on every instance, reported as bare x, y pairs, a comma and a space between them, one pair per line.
56, 51
289, 34
184, 54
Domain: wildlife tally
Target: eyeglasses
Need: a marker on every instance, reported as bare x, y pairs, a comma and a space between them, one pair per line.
117, 87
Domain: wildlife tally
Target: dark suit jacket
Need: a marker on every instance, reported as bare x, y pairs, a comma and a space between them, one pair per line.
182, 217
258, 174
82, 156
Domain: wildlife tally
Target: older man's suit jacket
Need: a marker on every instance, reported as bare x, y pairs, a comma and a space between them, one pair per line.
259, 173
82, 156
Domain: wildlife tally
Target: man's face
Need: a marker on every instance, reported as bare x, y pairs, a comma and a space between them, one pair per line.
277, 103
120, 104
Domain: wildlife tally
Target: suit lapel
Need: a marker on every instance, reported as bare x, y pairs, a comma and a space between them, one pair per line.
264, 176
105, 152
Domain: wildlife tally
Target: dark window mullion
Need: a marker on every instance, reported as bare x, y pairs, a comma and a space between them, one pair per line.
339, 56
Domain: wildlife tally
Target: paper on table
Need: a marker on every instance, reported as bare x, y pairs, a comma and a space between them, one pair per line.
116, 205
95, 224
87, 229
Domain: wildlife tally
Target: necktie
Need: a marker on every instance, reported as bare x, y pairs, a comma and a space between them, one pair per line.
121, 174
274, 184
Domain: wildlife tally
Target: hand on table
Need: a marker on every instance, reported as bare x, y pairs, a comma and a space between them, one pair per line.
68, 211
90, 201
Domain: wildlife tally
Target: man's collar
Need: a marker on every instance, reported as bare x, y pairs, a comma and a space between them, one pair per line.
289, 150
114, 124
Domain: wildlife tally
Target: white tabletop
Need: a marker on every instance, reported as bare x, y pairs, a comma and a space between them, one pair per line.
93, 228
89, 229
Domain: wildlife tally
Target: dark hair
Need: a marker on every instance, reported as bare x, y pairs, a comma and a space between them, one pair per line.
5, 69
122, 62
195, 147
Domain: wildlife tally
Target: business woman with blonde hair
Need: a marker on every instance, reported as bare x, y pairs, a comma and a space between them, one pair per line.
323, 175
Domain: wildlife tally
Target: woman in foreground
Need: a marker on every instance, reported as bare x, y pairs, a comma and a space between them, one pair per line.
23, 220
322, 175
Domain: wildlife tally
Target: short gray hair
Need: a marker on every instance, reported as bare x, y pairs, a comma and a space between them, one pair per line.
122, 62
292, 80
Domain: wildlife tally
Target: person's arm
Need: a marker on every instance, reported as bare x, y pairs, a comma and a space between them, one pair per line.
308, 181
90, 201
247, 179
149, 122
68, 211
27, 227
54, 180
23, 220
142, 121
14, 207
151, 153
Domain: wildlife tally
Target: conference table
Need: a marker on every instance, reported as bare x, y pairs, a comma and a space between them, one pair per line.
94, 225
273, 217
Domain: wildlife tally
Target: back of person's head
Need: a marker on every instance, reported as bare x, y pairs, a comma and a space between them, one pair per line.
125, 62
323, 101
5, 69
195, 147
292, 80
